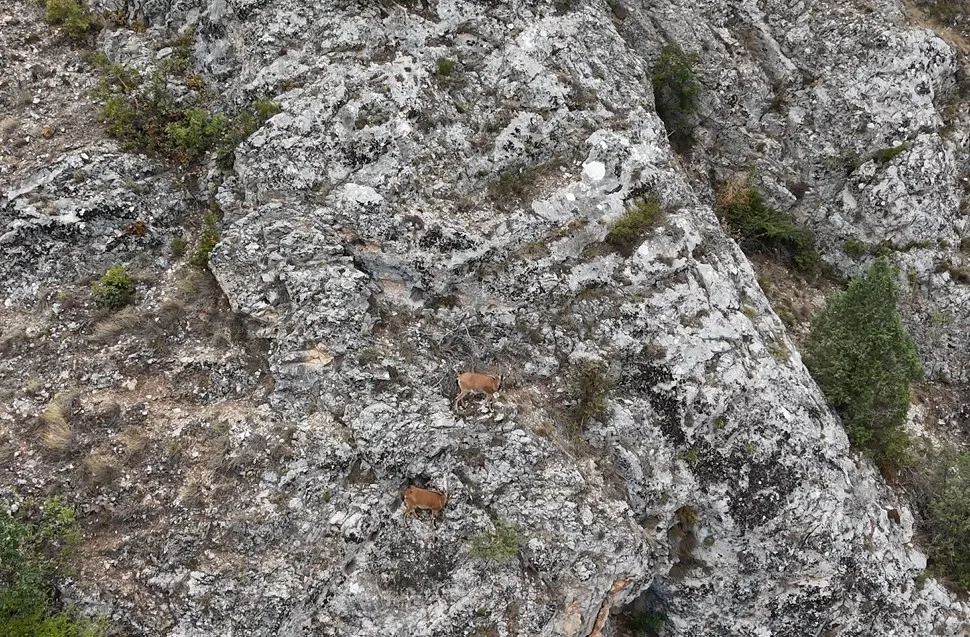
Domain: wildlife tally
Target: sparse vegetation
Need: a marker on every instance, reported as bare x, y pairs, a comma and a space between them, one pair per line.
647, 624
587, 388
178, 246
125, 321
500, 545
864, 361
445, 67
149, 114
854, 248
628, 231
99, 467
74, 17
208, 238
676, 92
115, 289
947, 523
888, 154
762, 229
34, 549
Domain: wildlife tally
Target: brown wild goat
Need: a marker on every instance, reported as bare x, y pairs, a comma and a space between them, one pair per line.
473, 383
418, 498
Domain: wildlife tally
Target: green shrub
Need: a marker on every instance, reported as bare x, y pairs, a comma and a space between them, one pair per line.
854, 248
74, 17
34, 548
647, 624
762, 229
207, 239
501, 545
864, 361
178, 246
587, 388
947, 524
144, 113
628, 231
676, 92
888, 154
178, 61
445, 67
115, 289
195, 134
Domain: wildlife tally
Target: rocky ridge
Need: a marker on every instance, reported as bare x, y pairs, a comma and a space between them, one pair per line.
395, 224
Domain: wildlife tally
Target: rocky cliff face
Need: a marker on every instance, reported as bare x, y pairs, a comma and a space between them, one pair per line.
400, 221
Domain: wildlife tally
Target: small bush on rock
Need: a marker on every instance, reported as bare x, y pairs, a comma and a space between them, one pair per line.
115, 289
154, 114
501, 545
864, 361
648, 624
207, 239
33, 549
947, 522
629, 230
74, 17
676, 92
762, 229
587, 386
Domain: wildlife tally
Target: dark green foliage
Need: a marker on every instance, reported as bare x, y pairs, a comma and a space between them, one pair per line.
676, 92
647, 624
115, 289
144, 113
445, 67
762, 229
178, 247
74, 17
587, 387
33, 549
887, 154
629, 230
948, 518
501, 545
207, 239
855, 248
195, 133
864, 361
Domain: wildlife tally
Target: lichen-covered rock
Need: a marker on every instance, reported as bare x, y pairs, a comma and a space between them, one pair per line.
403, 219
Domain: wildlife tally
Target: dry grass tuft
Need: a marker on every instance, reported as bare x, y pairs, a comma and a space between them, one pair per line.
54, 414
134, 439
127, 321
735, 191
190, 493
57, 435
100, 467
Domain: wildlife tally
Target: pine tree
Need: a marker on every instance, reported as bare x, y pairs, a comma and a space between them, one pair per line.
864, 361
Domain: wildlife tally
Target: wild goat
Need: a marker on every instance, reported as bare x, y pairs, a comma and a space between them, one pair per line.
418, 498
472, 383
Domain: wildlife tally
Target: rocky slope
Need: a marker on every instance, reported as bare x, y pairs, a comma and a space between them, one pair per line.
239, 460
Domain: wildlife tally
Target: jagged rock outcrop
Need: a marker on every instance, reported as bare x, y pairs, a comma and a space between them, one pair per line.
398, 222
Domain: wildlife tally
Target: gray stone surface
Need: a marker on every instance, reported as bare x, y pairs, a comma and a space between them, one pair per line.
392, 226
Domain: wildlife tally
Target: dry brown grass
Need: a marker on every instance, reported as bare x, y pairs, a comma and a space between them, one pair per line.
735, 191
951, 36
127, 321
57, 435
134, 439
99, 467
190, 493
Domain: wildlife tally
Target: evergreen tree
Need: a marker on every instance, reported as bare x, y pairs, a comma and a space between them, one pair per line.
864, 361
